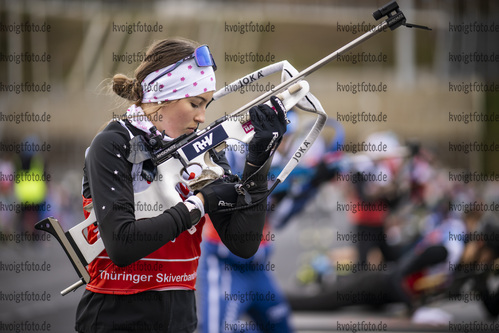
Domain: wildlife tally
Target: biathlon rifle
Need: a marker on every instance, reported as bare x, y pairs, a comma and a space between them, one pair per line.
194, 153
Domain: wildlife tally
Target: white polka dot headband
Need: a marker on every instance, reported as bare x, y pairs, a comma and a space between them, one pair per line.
190, 76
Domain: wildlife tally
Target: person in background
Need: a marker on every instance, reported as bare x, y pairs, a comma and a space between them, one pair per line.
237, 294
30, 187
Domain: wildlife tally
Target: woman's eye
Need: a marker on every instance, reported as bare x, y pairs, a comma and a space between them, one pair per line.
194, 105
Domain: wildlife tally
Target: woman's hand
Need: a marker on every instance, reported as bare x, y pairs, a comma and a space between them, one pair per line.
269, 124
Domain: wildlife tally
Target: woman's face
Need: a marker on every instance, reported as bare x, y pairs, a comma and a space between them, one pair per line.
181, 116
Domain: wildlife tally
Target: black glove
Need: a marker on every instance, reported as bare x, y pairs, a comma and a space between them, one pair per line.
221, 194
269, 127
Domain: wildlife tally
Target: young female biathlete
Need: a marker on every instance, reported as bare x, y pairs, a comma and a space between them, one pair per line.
144, 280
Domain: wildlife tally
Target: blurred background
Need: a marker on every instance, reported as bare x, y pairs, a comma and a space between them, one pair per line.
441, 95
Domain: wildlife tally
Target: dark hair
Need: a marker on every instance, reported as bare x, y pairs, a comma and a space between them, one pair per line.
160, 54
